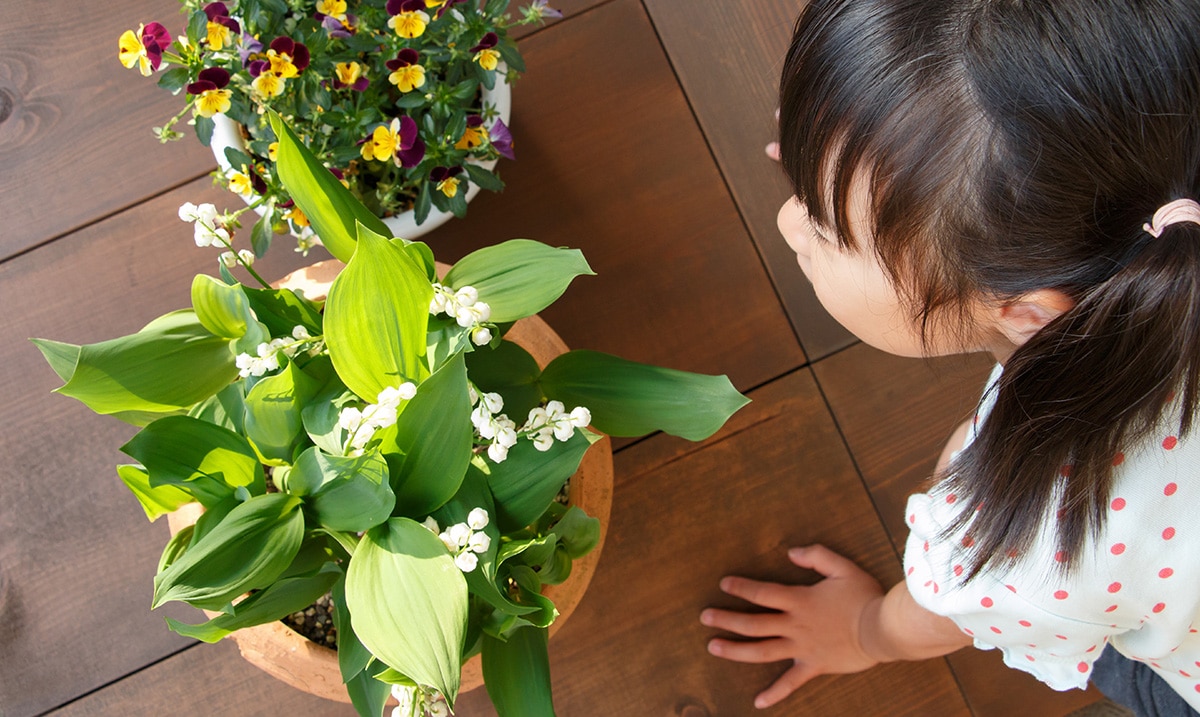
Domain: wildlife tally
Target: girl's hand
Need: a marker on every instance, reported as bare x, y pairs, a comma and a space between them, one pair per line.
817, 627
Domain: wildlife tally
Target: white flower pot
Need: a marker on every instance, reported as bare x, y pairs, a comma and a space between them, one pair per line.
227, 133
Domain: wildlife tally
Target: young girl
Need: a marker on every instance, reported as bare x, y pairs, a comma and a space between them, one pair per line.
1020, 177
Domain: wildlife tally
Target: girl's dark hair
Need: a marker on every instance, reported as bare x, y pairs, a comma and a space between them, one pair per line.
1010, 146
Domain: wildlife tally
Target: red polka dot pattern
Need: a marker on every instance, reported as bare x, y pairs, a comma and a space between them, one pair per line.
987, 602
1165, 573
1060, 595
1117, 548
1114, 587
1170, 488
1168, 533
1118, 459
1118, 504
1170, 442
1159, 608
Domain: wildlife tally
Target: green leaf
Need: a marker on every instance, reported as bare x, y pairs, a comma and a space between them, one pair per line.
347, 494
352, 655
175, 547
247, 550
268, 605
226, 409
281, 310
376, 316
484, 178
578, 532
237, 158
330, 207
528, 481
261, 235
174, 80
197, 28
204, 130
516, 673
402, 563
171, 364
221, 308
423, 204
368, 694
509, 370
633, 399
197, 456
429, 447
273, 424
320, 416
519, 277
156, 501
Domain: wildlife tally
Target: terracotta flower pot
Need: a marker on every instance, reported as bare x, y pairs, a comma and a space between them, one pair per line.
289, 656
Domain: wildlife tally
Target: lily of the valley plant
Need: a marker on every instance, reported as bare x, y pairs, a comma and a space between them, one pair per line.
415, 453
386, 92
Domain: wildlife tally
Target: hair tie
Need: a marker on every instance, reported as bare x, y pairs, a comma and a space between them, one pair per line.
1174, 212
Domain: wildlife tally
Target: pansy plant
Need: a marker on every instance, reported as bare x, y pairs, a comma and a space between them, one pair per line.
389, 445
340, 70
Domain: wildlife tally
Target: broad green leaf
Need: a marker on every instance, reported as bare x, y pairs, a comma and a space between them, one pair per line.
516, 673
221, 308
171, 364
320, 416
273, 424
268, 605
247, 550
156, 501
633, 399
282, 310
195, 455
376, 317
368, 694
421, 253
510, 371
519, 277
330, 207
577, 531
352, 655
527, 482
226, 408
261, 235
175, 547
346, 494
429, 447
401, 563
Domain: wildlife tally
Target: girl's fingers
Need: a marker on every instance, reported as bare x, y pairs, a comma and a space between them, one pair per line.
746, 624
757, 651
772, 595
787, 683
824, 561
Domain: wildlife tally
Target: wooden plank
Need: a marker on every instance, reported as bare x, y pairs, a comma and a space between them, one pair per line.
75, 124
728, 56
685, 515
76, 553
896, 415
202, 680
610, 160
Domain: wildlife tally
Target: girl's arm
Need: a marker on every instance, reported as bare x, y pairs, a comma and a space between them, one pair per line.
844, 623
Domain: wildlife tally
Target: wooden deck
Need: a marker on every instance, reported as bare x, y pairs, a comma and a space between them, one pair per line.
639, 131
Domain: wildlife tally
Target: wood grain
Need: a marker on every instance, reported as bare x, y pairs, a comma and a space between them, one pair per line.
75, 138
683, 516
610, 160
896, 415
77, 555
728, 56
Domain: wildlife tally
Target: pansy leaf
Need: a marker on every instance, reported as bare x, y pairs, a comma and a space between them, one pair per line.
410, 101
273, 424
237, 158
423, 204
484, 178
518, 278
204, 129
632, 399
247, 550
429, 447
509, 370
528, 481
156, 501
171, 364
402, 563
458, 203
261, 235
343, 493
376, 317
487, 78
329, 206
197, 28
511, 55
174, 80
272, 603
516, 673
221, 308
197, 456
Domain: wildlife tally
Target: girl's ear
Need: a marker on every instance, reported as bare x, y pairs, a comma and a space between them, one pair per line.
1023, 317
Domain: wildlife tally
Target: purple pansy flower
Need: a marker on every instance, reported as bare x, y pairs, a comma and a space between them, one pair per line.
395, 7
337, 28
217, 12
502, 139
487, 42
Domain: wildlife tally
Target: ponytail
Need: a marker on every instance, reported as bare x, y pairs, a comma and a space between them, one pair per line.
1137, 337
